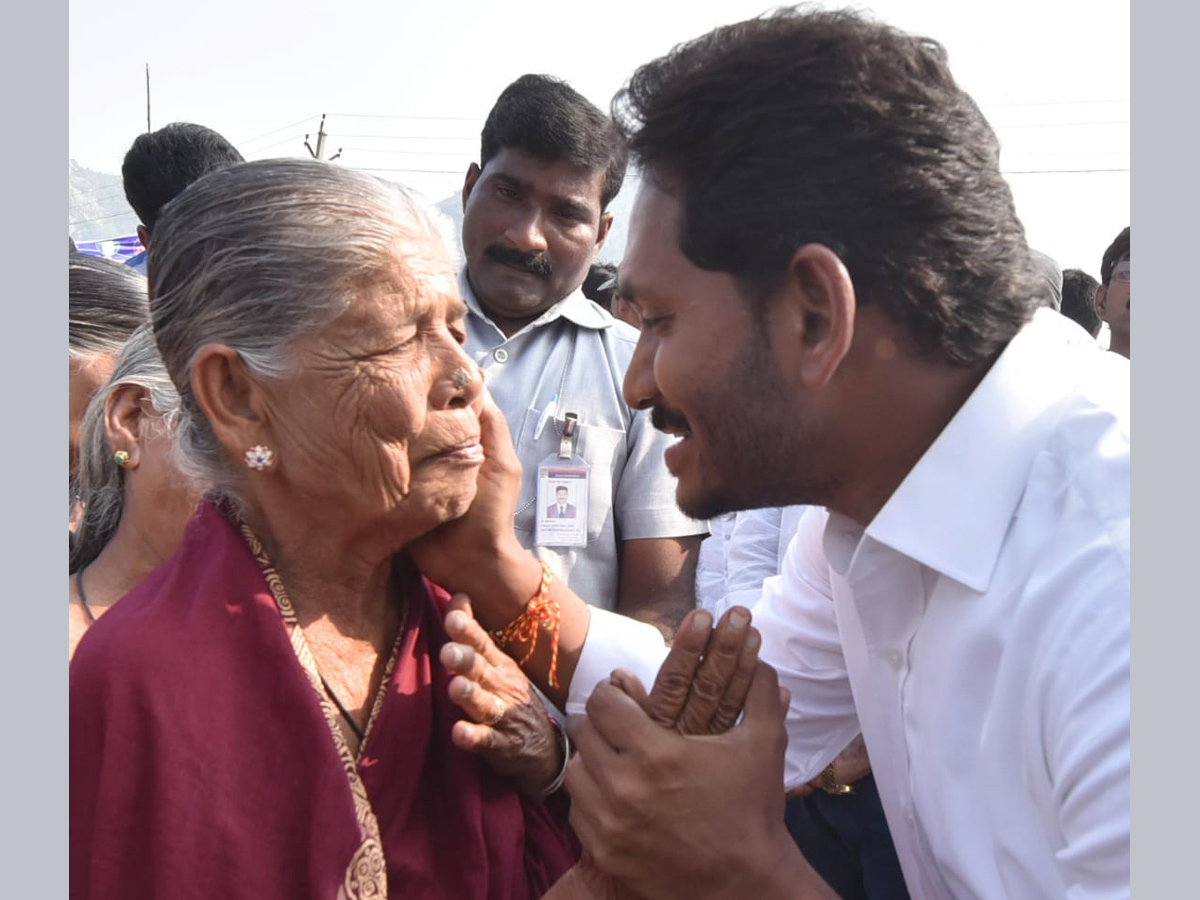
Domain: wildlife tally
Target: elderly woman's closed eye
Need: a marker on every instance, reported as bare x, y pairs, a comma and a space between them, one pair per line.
284, 724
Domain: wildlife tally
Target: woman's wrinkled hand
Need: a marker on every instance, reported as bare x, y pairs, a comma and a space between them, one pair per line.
507, 724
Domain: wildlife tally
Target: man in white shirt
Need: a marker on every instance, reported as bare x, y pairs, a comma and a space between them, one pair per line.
839, 309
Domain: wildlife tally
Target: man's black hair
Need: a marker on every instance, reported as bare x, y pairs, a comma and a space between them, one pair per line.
1117, 251
160, 164
549, 119
813, 126
1079, 299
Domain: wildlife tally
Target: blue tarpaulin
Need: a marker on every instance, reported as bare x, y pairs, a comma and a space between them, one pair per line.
119, 249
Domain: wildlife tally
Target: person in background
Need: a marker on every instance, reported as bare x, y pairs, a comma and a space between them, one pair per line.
135, 501
269, 714
1050, 274
1079, 300
1112, 297
106, 303
160, 164
598, 286
534, 218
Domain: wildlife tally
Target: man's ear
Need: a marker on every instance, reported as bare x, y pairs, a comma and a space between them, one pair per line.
1101, 297
143, 234
125, 421
606, 220
230, 398
819, 311
473, 173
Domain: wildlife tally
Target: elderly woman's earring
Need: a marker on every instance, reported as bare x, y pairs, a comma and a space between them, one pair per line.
260, 457
462, 378
121, 458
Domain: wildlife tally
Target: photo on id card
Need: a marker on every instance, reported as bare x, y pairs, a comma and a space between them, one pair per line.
562, 504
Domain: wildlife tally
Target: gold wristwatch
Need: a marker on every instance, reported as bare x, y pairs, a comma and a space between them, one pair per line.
830, 784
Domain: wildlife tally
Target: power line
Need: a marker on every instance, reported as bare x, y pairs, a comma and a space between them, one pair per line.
1059, 171
113, 190
119, 215
1059, 124
414, 118
401, 152
1069, 152
289, 139
1055, 103
277, 130
410, 137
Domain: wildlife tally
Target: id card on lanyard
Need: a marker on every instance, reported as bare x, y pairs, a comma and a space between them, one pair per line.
562, 494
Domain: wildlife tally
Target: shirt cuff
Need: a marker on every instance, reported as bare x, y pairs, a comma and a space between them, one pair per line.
614, 642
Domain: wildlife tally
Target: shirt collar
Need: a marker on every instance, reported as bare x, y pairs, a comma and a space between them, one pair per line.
954, 508
574, 307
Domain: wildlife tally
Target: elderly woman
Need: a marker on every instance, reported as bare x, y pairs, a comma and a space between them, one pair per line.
266, 715
135, 501
107, 302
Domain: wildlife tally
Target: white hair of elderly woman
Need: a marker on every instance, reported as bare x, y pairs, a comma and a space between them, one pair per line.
101, 482
257, 255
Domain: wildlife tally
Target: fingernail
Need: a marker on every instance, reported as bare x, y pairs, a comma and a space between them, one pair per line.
739, 618
456, 620
753, 639
701, 621
456, 656
468, 689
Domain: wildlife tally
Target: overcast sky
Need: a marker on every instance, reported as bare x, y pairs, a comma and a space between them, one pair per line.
406, 86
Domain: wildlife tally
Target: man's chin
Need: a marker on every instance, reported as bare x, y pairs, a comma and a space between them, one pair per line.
505, 297
705, 504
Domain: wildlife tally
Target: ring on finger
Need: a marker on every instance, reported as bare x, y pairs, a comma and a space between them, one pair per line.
501, 709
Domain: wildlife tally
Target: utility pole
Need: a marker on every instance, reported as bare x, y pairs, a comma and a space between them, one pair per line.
319, 153
147, 98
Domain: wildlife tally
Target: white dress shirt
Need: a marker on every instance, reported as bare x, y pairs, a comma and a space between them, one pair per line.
981, 635
711, 564
757, 547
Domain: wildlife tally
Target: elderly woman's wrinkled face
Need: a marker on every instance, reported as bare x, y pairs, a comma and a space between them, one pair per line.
380, 426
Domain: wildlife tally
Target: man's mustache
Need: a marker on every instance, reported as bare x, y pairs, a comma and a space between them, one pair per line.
665, 419
535, 265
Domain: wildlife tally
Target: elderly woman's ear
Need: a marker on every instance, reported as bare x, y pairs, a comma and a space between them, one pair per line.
127, 422
230, 398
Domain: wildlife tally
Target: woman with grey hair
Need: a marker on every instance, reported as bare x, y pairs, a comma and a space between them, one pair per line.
269, 713
107, 302
135, 502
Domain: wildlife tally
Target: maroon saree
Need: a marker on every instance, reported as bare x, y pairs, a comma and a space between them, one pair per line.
205, 764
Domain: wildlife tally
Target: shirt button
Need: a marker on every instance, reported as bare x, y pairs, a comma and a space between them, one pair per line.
500, 354
895, 660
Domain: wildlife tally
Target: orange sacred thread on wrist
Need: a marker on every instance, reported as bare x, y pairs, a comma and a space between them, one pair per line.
540, 612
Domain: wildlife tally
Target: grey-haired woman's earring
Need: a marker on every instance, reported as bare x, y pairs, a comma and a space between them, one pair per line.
260, 457
121, 458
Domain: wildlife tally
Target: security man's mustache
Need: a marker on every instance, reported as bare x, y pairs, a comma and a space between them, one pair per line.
535, 265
